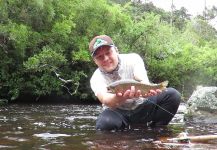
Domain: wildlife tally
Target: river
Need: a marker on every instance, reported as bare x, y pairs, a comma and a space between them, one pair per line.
72, 127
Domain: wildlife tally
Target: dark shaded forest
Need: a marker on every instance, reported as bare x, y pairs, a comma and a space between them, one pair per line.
44, 45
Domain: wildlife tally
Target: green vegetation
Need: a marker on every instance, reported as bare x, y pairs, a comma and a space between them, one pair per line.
44, 45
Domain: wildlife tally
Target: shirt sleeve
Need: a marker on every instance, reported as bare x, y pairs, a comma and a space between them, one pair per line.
140, 72
98, 83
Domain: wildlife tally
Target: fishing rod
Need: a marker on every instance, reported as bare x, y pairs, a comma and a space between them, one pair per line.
184, 138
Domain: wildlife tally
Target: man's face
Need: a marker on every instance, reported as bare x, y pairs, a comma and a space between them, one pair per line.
106, 58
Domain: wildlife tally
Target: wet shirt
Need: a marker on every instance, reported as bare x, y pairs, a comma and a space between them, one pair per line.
130, 66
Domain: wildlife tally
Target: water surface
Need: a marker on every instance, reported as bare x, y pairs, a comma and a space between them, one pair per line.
72, 127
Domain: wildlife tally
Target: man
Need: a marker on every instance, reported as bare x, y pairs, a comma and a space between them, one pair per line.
130, 107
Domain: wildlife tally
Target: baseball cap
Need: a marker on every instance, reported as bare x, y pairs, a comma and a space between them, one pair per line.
99, 41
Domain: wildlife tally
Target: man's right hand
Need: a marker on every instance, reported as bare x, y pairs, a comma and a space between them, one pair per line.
131, 93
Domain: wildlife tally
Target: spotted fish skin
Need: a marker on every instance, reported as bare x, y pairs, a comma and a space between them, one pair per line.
121, 86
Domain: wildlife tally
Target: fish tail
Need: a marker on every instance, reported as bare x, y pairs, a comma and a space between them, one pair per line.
164, 84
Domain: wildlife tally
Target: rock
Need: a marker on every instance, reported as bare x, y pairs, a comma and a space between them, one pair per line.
202, 105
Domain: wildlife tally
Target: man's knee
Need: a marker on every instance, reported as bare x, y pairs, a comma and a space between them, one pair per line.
174, 96
106, 123
110, 120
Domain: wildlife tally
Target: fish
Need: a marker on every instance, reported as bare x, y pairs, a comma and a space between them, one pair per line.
121, 86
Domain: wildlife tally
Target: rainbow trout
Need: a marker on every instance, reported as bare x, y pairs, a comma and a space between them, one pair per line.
121, 86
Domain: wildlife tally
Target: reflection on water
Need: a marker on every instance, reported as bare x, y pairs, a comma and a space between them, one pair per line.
48, 127
49, 136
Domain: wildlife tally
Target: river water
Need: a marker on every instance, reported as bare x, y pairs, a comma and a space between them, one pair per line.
72, 127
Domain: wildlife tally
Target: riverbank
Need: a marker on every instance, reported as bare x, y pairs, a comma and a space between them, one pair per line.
52, 99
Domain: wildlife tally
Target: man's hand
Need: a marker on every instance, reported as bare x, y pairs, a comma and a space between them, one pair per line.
133, 93
152, 93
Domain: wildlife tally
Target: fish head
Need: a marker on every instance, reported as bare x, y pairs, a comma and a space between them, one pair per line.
111, 89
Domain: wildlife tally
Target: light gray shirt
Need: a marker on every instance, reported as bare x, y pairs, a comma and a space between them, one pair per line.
131, 66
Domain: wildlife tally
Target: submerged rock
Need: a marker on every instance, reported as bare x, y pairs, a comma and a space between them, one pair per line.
202, 105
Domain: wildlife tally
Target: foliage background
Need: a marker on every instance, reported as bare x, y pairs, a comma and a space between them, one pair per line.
44, 45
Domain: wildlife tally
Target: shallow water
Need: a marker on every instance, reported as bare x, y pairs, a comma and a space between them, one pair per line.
72, 127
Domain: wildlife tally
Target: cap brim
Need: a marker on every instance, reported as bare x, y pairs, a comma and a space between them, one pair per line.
94, 51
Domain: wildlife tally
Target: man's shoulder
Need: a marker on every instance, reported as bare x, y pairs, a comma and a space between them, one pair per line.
130, 57
96, 73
